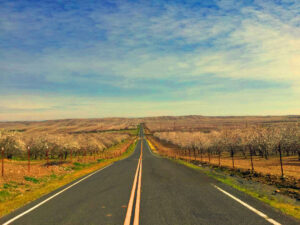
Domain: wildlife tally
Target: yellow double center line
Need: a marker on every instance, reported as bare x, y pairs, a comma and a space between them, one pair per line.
136, 184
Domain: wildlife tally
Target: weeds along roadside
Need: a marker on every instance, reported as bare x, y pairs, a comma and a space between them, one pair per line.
263, 192
16, 194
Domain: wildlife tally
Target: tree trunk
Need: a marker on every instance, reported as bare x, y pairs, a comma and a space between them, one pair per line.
219, 158
280, 157
251, 158
201, 155
266, 155
232, 157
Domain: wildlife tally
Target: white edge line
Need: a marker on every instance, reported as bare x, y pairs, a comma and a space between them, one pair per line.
249, 207
53, 196
150, 150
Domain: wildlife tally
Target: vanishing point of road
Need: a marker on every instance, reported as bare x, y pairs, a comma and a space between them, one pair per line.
148, 190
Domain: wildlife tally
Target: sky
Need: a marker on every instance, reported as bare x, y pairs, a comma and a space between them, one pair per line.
89, 59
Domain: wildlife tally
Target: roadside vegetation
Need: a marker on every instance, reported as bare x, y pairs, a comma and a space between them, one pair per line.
36, 163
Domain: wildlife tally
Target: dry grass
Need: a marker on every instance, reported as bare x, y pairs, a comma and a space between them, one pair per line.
16, 170
209, 123
37, 190
271, 166
166, 123
72, 125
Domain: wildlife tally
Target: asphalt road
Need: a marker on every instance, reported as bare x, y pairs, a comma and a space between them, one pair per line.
170, 194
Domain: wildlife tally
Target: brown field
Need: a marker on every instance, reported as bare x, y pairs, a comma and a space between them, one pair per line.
71, 125
209, 123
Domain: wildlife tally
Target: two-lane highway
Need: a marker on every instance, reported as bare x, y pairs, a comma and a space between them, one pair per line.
148, 190
100, 199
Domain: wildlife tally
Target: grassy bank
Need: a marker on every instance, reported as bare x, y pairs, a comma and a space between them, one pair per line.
15, 194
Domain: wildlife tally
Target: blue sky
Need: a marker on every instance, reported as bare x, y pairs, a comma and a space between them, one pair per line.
77, 59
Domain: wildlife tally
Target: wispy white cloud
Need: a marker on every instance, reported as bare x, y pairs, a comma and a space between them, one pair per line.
118, 44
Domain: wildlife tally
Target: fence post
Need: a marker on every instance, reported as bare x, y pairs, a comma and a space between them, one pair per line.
28, 151
2, 159
47, 156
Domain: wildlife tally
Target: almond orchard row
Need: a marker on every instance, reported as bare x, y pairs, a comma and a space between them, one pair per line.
16, 145
250, 142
